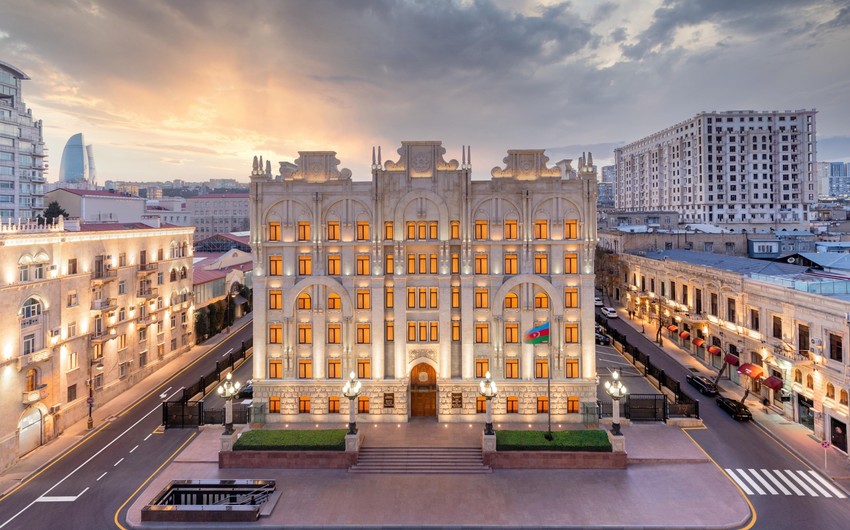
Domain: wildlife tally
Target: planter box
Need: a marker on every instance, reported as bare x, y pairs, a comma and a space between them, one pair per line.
286, 459
554, 460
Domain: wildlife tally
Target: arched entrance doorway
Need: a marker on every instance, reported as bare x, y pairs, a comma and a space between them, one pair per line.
423, 390
29, 436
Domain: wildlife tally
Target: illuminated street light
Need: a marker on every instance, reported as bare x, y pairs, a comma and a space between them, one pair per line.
351, 390
616, 390
227, 390
487, 388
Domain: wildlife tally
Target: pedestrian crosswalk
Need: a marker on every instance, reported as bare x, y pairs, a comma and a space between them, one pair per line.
784, 482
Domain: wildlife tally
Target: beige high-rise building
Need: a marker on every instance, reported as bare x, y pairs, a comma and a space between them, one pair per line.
420, 281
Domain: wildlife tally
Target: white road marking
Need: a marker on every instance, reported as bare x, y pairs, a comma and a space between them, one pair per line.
740, 483
751, 481
61, 498
801, 483
100, 477
227, 352
791, 483
811, 481
146, 437
763, 482
779, 485
164, 393
832, 488
118, 462
133, 449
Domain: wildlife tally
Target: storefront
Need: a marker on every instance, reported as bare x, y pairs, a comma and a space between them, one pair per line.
805, 412
838, 433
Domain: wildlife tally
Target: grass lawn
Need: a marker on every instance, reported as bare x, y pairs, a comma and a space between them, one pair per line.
280, 440
589, 440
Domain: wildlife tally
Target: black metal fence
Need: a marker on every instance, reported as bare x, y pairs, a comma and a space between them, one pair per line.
180, 415
637, 407
214, 375
241, 414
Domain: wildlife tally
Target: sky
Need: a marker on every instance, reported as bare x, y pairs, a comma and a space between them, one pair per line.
194, 89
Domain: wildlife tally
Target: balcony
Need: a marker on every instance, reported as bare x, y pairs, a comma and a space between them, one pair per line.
145, 320
33, 396
38, 356
104, 304
30, 321
143, 269
148, 293
104, 275
103, 335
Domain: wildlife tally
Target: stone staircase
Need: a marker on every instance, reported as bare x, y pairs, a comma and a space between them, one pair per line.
415, 460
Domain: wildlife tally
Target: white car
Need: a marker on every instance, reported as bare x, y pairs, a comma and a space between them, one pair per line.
609, 312
597, 302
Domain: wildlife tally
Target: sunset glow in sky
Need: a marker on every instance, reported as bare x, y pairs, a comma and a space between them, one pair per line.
193, 89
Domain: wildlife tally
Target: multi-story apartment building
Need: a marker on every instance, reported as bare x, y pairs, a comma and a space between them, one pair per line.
92, 309
217, 213
789, 321
421, 281
22, 154
737, 169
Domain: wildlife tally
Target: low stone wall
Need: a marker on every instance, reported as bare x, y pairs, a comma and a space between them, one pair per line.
554, 460
286, 459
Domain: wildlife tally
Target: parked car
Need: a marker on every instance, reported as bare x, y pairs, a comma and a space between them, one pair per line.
605, 340
597, 301
247, 391
600, 329
734, 408
609, 312
703, 384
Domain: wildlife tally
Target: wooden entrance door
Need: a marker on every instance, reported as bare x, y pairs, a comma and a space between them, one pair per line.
423, 390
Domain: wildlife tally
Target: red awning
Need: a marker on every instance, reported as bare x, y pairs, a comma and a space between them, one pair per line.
773, 383
751, 370
714, 350
684, 335
731, 359
672, 329
698, 342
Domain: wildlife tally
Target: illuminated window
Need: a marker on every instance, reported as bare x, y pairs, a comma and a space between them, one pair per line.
433, 298
511, 301
388, 230
390, 331
455, 230
482, 366
275, 334
480, 405
274, 231
305, 334
482, 230
571, 297
362, 228
810, 382
541, 301
482, 264
570, 229
411, 298
511, 333
482, 332
334, 333
305, 265
364, 334
422, 230
389, 264
511, 264
423, 263
275, 265
455, 263
571, 333
411, 264
363, 265
334, 264
541, 368
512, 405
830, 391
334, 301
304, 405
333, 405
455, 297
364, 299
434, 331
423, 298
334, 369
455, 330
305, 369
363, 405
364, 369
274, 405
411, 332
570, 264
275, 369
542, 404
482, 298
304, 301
423, 331
432, 264
842, 397
411, 230
572, 404
389, 297
275, 299
511, 229
571, 371
512, 369
433, 231
541, 264
303, 231
333, 231
541, 229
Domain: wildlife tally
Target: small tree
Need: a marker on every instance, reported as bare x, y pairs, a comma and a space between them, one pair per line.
51, 213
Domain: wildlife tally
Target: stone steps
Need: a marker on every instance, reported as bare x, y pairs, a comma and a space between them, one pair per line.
420, 460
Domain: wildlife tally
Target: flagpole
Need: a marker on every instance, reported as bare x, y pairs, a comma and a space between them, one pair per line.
549, 391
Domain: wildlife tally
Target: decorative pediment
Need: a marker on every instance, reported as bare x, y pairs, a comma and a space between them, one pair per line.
314, 166
421, 159
525, 164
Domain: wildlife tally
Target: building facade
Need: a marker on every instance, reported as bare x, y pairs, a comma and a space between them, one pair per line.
92, 310
77, 165
736, 169
788, 320
99, 206
22, 157
420, 281
217, 213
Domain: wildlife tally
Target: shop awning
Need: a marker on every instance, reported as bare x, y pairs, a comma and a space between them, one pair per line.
672, 329
698, 342
685, 335
751, 370
714, 350
731, 359
772, 382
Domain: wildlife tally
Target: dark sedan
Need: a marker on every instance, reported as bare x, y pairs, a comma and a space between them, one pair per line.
605, 340
734, 408
247, 391
703, 384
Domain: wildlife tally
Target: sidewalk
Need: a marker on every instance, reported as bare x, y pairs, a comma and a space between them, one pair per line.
74, 434
797, 439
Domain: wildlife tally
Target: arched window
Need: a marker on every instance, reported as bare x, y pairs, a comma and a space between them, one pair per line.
810, 382
798, 377
32, 380
334, 301
304, 301
173, 275
183, 273
184, 250
31, 308
830, 391
511, 301
541, 301
842, 397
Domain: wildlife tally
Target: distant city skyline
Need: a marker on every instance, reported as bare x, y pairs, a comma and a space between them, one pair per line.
217, 83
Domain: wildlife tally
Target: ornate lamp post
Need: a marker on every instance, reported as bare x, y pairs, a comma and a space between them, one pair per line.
227, 390
351, 390
616, 390
487, 388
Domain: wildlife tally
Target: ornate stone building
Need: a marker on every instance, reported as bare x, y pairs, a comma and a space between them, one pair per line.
420, 281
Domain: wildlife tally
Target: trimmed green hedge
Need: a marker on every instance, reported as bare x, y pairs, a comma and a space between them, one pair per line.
279, 440
586, 440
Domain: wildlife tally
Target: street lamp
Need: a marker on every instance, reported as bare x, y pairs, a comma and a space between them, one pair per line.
487, 388
227, 390
97, 363
351, 389
616, 390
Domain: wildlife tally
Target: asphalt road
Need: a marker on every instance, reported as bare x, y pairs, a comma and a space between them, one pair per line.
785, 492
87, 486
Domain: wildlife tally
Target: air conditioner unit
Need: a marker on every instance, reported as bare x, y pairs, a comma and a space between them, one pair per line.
53, 268
817, 342
108, 266
55, 332
56, 408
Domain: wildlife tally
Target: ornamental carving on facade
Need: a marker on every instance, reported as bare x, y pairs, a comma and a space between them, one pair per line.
422, 352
